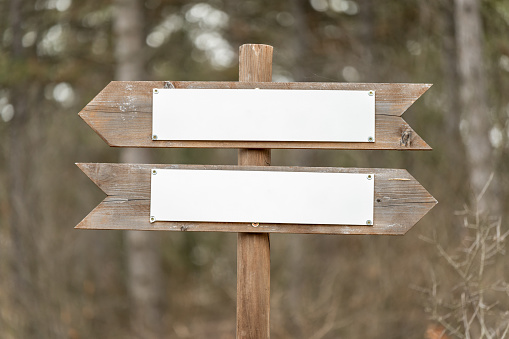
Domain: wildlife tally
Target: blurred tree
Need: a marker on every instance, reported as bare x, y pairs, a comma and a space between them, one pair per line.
20, 221
142, 248
29, 279
473, 101
451, 105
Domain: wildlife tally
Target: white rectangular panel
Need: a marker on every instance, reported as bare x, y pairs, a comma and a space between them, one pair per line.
262, 197
263, 115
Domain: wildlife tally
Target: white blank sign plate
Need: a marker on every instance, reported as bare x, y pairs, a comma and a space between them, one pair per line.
262, 197
263, 115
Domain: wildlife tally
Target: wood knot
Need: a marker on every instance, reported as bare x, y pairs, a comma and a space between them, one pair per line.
406, 137
183, 228
168, 84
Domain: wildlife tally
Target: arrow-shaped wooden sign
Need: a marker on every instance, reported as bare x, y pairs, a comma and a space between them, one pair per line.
123, 115
398, 201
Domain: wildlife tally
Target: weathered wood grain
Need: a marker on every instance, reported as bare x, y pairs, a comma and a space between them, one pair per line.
400, 201
122, 115
253, 249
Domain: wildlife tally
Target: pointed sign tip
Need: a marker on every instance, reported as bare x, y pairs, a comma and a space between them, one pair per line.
92, 171
411, 140
433, 203
416, 90
80, 224
83, 115
89, 119
82, 166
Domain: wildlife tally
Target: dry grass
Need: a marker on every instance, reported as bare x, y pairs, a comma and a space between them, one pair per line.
469, 295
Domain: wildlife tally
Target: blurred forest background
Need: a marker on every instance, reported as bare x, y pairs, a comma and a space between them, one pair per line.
447, 275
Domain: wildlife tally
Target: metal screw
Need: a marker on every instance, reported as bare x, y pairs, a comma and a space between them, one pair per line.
369, 222
370, 176
371, 93
154, 137
154, 172
255, 224
152, 219
156, 91
370, 139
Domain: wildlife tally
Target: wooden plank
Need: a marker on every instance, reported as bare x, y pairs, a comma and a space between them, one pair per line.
253, 249
399, 200
122, 115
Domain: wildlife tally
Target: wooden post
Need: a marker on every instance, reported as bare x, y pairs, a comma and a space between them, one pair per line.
253, 249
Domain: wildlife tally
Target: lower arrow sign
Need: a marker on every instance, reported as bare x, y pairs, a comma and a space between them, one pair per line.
398, 200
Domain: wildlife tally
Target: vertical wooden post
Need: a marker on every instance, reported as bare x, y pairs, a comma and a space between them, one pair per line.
253, 249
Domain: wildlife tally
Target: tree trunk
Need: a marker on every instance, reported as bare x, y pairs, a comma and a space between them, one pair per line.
143, 261
367, 17
455, 148
473, 102
22, 210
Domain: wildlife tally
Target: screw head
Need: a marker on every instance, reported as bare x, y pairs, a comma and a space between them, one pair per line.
154, 137
371, 93
255, 224
156, 91
152, 219
369, 222
370, 139
370, 177
154, 172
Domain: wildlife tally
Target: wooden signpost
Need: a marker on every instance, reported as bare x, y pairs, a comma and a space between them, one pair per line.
252, 198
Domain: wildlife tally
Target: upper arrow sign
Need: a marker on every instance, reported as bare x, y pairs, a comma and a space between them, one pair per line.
122, 114
396, 200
